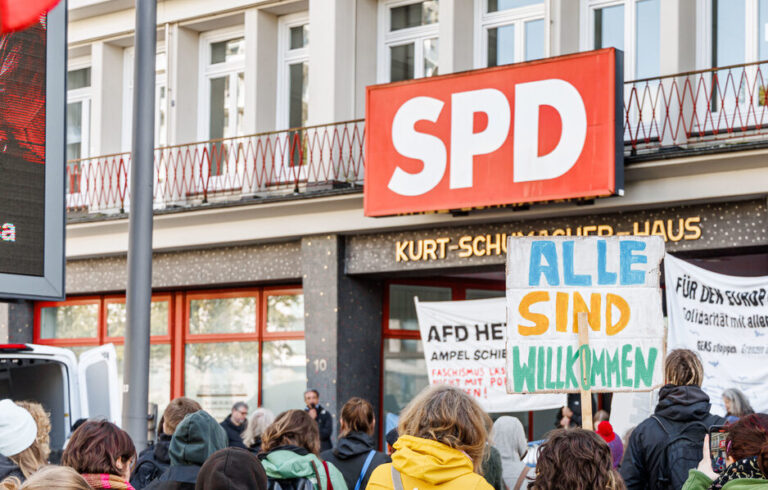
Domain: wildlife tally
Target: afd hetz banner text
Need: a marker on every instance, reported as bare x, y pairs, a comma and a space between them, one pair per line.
725, 320
615, 280
465, 346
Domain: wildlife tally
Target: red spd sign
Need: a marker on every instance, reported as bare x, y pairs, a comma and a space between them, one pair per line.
537, 131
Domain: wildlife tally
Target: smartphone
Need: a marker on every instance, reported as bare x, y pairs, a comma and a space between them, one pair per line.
717, 436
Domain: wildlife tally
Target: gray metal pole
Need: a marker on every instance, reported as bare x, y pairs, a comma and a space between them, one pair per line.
139, 294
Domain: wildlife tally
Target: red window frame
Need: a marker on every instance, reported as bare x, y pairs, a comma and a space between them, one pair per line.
458, 293
178, 333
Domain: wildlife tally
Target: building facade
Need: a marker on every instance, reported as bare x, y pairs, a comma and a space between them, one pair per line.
267, 276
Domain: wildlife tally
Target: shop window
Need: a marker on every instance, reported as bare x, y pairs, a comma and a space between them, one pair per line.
74, 321
509, 31
405, 375
284, 368
402, 311
117, 317
222, 315
219, 374
159, 373
484, 293
409, 46
285, 312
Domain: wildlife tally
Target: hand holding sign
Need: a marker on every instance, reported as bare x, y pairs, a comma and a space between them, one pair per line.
614, 282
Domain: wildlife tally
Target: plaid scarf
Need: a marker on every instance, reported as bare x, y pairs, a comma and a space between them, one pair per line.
743, 468
107, 481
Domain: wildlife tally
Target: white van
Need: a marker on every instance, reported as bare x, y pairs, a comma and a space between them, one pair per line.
68, 389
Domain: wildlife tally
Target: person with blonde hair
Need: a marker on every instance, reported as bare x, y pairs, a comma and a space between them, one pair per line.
260, 420
22, 450
290, 448
47, 478
666, 445
355, 454
443, 434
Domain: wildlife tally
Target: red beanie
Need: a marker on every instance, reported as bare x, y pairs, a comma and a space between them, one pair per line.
605, 431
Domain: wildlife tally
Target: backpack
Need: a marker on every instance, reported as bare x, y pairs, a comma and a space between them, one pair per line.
300, 483
682, 451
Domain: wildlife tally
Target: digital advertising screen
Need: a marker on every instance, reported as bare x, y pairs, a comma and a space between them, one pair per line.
32, 158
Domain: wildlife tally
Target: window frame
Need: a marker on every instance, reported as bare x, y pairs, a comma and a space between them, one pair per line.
161, 80
84, 95
178, 325
286, 57
518, 17
704, 33
388, 39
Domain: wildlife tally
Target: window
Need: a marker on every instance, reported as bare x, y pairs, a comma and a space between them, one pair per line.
632, 26
510, 31
215, 346
78, 121
409, 44
161, 97
222, 95
293, 83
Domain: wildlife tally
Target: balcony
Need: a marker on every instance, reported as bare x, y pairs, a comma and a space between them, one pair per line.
722, 109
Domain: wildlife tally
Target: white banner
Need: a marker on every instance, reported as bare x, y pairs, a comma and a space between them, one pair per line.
464, 346
724, 319
615, 280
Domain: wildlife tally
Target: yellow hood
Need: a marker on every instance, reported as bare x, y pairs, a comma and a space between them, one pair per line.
429, 461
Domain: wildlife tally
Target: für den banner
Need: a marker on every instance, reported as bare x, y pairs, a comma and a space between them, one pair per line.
615, 281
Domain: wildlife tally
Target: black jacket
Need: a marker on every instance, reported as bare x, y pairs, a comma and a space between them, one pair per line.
325, 426
152, 463
234, 432
643, 458
9, 468
350, 455
180, 477
255, 448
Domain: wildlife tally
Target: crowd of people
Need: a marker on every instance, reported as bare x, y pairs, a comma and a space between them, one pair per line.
444, 440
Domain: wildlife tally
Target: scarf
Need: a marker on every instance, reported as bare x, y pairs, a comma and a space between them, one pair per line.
107, 481
743, 468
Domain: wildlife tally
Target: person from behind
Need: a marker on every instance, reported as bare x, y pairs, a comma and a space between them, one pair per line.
260, 420
391, 439
575, 459
21, 451
195, 439
508, 437
666, 445
746, 456
442, 440
232, 469
290, 448
321, 416
355, 454
101, 452
235, 424
155, 460
492, 467
49, 478
605, 430
600, 416
736, 405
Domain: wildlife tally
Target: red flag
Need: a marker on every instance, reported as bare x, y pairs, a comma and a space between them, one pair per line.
19, 14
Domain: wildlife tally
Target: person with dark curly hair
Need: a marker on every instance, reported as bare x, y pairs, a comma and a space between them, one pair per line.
575, 459
746, 455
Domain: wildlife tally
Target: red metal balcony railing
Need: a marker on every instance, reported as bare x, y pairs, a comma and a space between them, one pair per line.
686, 111
226, 169
697, 109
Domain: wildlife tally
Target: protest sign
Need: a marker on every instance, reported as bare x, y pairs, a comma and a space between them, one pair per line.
629, 409
615, 281
465, 346
725, 320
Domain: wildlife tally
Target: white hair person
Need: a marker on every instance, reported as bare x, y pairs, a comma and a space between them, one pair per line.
508, 437
260, 420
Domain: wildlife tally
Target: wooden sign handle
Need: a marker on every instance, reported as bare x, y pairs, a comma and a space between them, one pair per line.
586, 395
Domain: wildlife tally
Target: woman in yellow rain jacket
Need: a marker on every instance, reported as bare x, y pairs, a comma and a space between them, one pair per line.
442, 438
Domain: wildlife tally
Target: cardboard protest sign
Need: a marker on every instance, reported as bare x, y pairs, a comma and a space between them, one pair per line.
615, 281
725, 320
465, 346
